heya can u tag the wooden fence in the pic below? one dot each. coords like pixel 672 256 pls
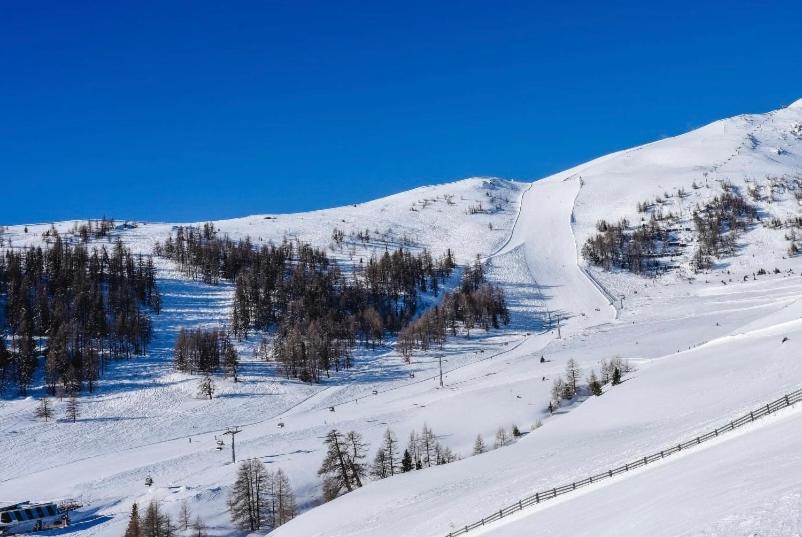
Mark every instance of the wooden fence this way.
pixel 544 495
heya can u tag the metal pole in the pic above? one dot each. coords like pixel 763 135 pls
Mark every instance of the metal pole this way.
pixel 233 431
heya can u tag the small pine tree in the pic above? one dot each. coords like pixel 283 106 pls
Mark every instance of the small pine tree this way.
pixel 184 515
pixel 206 387
pixel 134 528
pixel 248 502
pixel 502 438
pixel 515 431
pixel 572 376
pixel 594 385
pixel 231 360
pixel 479 446
pixel 282 499
pixel 44 410
pixel 616 376
pixel 379 467
pixel 73 409
pixel 406 462
pixel 343 466
pixel 156 523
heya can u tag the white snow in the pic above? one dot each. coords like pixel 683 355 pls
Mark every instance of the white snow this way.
pixel 708 347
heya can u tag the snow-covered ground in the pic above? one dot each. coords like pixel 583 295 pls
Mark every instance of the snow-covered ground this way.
pixel 707 348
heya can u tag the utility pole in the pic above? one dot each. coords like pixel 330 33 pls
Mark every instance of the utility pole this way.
pixel 440 358
pixel 233 431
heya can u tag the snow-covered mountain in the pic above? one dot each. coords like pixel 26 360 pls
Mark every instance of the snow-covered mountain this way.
pixel 708 345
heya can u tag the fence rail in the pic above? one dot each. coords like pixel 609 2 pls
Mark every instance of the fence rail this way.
pixel 545 495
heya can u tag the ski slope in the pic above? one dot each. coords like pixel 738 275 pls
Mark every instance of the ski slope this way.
pixel 545 233
pixel 707 348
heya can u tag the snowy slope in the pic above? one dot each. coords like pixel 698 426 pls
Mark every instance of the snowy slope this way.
pixel 707 347
pixel 666 316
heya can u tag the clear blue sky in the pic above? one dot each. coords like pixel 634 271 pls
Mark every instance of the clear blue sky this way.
pixel 208 109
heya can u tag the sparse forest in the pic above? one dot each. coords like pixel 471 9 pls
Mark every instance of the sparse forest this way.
pixel 475 303
pixel 318 311
pixel 644 249
pixel 345 466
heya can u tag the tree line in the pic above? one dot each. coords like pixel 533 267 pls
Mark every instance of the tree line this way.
pixel 319 312
pixel 86 306
pixel 570 385
pixel 345 466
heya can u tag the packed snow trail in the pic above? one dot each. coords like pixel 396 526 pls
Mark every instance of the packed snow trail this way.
pixel 544 231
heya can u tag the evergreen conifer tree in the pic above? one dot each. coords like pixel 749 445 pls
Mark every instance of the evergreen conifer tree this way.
pixel 134 528
pixel 479 446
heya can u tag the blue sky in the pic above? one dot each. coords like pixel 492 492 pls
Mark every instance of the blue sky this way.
pixel 205 109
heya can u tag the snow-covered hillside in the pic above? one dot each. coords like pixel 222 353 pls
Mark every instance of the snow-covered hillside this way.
pixel 707 347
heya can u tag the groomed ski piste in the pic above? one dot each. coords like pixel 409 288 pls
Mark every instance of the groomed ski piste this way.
pixel 707 347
